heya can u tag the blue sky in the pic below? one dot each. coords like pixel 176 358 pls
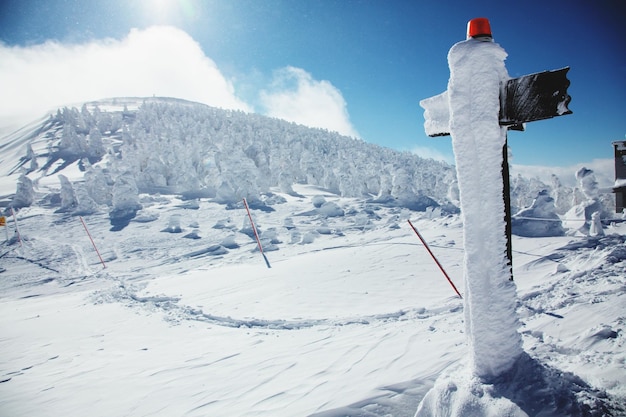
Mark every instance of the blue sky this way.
pixel 364 65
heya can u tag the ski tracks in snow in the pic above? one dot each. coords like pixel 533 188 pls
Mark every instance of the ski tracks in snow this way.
pixel 175 312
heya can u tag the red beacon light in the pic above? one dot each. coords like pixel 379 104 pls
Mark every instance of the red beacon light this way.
pixel 479 28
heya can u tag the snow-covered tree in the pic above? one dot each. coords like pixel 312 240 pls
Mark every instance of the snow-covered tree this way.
pixel 30 156
pixel 580 216
pixel 95 145
pixel 538 220
pixel 562 196
pixel 98 185
pixel 86 205
pixel 182 147
pixel 68 198
pixel 24 194
pixel 125 193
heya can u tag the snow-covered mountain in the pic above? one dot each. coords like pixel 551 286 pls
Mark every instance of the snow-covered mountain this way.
pixel 124 146
pixel 173 146
pixel 132 284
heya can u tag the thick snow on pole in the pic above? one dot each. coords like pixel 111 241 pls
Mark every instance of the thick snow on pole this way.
pixel 476 73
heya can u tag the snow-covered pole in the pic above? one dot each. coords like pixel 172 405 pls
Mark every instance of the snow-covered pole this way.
pixel 476 73
pixel 256 235
pixel 470 111
pixel 92 241
pixel 531 97
pixel 479 106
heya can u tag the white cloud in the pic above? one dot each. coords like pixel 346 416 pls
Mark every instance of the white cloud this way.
pixel 161 61
pixel 158 61
pixel 295 96
pixel 604 170
pixel 431 153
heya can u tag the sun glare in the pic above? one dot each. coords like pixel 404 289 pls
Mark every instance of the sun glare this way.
pixel 160 10
pixel 169 11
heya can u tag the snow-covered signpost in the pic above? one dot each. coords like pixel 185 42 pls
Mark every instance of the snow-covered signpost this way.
pixel 521 100
pixel 479 106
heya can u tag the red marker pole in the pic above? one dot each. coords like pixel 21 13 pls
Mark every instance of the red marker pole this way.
pixel 256 235
pixel 434 258
pixel 17 229
pixel 92 242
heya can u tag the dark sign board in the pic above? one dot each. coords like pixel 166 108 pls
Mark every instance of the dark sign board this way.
pixel 535 97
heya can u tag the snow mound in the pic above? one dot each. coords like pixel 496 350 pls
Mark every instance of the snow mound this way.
pixel 529 389
pixel 585 217
pixel 538 220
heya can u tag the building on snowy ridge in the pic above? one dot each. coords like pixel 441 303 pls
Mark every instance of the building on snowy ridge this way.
pixel 620 175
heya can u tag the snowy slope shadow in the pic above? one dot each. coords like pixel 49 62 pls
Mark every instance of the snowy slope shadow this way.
pixel 396 400
pixel 120 218
pixel 612 246
pixel 540 390
pixel 529 389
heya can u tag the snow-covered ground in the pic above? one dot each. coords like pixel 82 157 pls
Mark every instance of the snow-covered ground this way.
pixel 352 319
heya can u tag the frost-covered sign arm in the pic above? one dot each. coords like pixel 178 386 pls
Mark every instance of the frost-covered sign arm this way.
pixel 436 115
